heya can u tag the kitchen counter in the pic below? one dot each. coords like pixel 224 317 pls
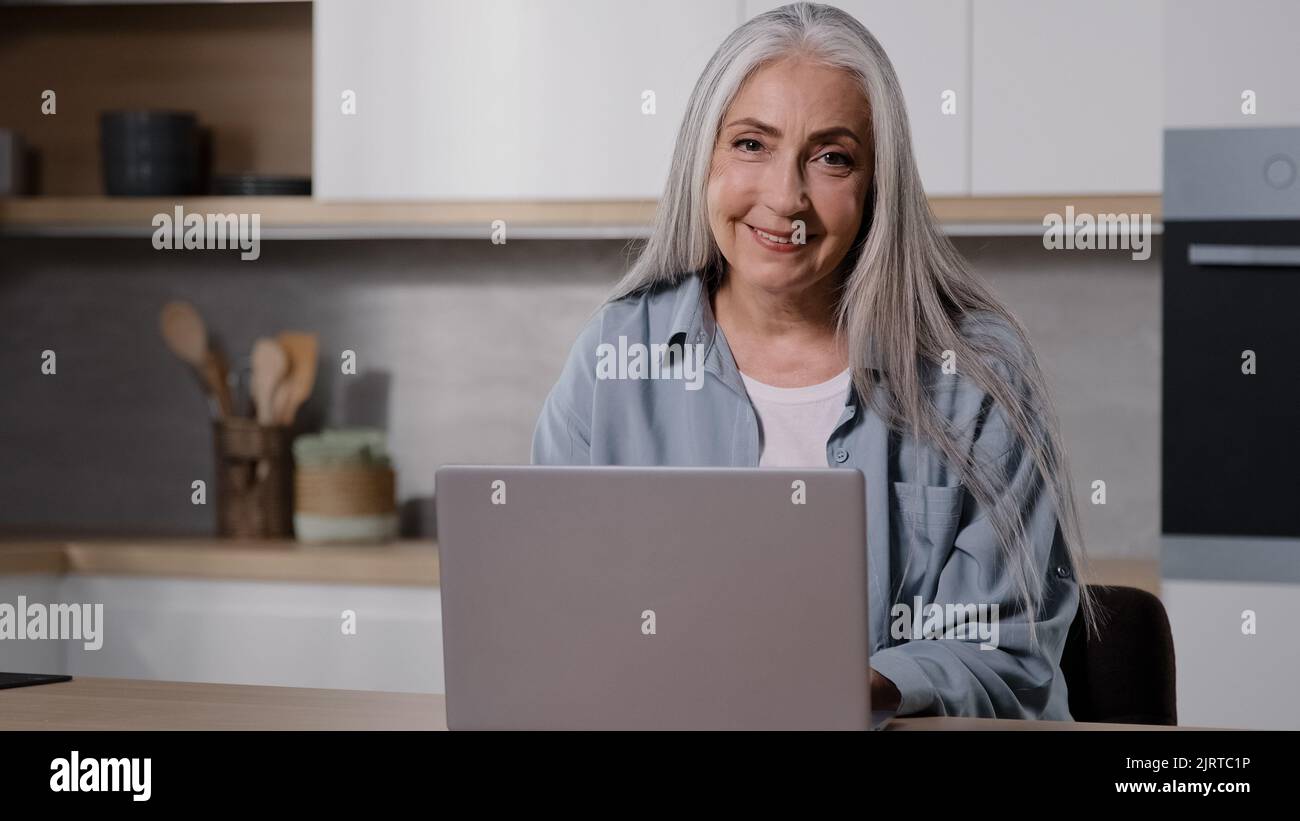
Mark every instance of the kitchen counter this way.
pixel 405 562
pixel 412 562
pixel 125 704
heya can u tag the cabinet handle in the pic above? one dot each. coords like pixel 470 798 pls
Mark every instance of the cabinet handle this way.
pixel 1248 256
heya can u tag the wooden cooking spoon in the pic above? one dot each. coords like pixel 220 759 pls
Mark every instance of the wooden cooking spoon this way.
pixel 187 337
pixel 270 364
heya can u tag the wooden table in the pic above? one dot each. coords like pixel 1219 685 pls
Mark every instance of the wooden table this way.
pixel 126 704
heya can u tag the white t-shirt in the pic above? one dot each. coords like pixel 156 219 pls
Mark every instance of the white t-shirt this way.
pixel 796 422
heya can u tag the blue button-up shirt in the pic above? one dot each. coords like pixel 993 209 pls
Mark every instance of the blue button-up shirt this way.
pixel 928 540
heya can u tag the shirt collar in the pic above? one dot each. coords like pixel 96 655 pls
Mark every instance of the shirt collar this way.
pixel 693 323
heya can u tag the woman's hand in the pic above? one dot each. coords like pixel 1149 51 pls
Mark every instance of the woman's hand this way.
pixel 884 695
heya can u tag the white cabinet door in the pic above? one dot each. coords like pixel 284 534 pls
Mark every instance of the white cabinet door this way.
pixel 1067 97
pixel 282 634
pixel 1216 51
pixel 1228 677
pixel 505 99
pixel 929 45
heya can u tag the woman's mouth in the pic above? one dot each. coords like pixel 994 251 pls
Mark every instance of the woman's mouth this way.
pixel 781 243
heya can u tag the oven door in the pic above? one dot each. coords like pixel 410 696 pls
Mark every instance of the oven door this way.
pixel 1231 441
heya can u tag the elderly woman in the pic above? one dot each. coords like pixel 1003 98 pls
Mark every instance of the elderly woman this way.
pixel 839 327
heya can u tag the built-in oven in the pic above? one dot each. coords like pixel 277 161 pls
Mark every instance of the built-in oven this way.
pixel 1231 343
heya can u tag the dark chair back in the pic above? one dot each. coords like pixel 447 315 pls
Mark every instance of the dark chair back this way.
pixel 1125 675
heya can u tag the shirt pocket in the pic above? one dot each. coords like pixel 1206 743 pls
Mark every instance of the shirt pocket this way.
pixel 928 515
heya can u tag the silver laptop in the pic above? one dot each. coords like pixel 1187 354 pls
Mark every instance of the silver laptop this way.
pixel 615 598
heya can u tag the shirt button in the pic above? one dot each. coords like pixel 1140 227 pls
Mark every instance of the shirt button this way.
pixel 841 455
pixel 1062 571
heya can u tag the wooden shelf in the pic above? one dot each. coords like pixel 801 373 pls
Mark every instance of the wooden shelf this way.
pixel 965 210
pixel 404 562
pixel 307 218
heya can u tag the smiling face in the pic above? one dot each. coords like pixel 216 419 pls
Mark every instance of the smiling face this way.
pixel 794 145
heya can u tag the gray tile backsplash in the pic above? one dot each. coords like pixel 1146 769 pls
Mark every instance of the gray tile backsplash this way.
pixel 457 344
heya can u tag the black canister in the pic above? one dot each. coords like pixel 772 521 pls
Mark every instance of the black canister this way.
pixel 150 153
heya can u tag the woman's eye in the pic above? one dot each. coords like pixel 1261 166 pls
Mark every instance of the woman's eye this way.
pixel 845 160
pixel 748 141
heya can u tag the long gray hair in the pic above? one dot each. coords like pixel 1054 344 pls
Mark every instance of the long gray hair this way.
pixel 905 288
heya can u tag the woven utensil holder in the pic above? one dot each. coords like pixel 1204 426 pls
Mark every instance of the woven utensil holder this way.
pixel 254 479
pixel 345 490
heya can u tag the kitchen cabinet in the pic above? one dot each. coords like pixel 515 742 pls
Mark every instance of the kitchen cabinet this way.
pixel 1216 51
pixel 510 100
pixel 929 45
pixel 239 632
pixel 1228 677
pixel 244 68
pixel 1067 96
pixel 266 612
pixel 504 99
pixel 270 633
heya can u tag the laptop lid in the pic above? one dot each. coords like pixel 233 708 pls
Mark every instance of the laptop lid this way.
pixel 653 598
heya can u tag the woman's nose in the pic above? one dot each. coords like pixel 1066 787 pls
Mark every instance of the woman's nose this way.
pixel 785 190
